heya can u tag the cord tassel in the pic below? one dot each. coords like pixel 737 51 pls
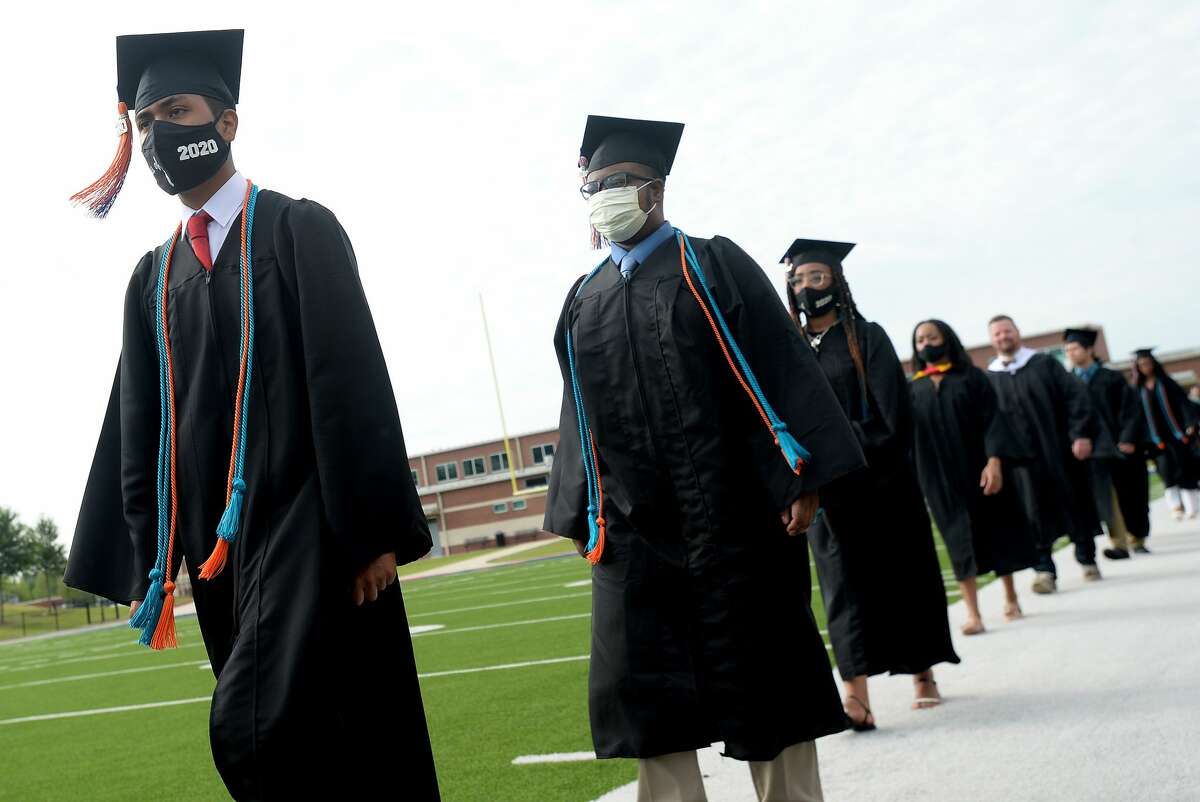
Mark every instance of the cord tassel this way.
pixel 797 456
pixel 145 618
pixel 164 633
pixel 99 196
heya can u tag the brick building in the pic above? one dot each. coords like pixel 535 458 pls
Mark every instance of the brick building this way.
pixel 467 492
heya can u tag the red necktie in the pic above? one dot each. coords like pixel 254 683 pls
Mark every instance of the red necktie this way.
pixel 197 231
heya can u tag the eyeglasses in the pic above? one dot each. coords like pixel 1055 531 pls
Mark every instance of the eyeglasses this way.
pixel 817 279
pixel 614 181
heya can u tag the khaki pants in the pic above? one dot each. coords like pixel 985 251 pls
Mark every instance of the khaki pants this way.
pixel 793 776
pixel 1118 535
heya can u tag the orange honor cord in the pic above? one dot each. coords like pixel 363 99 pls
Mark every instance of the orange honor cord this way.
pixel 597 551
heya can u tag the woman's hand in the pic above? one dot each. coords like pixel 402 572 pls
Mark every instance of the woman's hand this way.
pixel 992 478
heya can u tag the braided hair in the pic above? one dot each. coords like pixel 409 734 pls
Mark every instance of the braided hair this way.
pixel 850 316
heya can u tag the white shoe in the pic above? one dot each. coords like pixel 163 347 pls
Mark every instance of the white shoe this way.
pixel 1044 583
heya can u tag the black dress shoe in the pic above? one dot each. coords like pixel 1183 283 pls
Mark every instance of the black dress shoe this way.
pixel 1117 554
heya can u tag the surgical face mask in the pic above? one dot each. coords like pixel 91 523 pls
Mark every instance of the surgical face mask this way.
pixel 815 303
pixel 617 214
pixel 932 354
pixel 183 157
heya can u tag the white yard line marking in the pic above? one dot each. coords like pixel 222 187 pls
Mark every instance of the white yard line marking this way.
pixel 491 585
pixel 501 626
pixel 98 675
pixel 102 710
pixel 582 583
pixel 556 757
pixel 422 629
pixel 100 657
pixel 500 604
pixel 505 666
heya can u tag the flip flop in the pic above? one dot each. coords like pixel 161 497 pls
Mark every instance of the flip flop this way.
pixel 926 702
pixel 868 722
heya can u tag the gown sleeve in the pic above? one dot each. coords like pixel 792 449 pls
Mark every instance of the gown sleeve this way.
pixel 369 499
pixel 886 427
pixel 789 375
pixel 998 437
pixel 1080 422
pixel 566 500
pixel 1130 419
pixel 113 548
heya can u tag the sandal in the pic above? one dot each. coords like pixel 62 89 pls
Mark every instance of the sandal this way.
pixel 868 722
pixel 926 702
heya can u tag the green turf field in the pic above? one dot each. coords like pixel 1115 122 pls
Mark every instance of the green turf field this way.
pixel 533 614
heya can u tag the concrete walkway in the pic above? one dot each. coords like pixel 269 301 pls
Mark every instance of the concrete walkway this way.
pixel 488 558
pixel 1095 695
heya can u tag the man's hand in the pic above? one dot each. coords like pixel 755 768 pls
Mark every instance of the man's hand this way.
pixel 992 479
pixel 798 517
pixel 581 547
pixel 1127 448
pixel 1082 448
pixel 374 578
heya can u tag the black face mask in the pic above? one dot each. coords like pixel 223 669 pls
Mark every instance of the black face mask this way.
pixel 932 354
pixel 183 157
pixel 814 303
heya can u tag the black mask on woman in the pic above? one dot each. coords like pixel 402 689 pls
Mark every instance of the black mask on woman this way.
pixel 183 157
pixel 932 354
pixel 815 303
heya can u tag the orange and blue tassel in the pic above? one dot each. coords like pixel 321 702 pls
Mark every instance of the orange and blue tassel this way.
pixel 99 196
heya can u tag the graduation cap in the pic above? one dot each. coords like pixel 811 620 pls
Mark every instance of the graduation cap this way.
pixel 157 65
pixel 1085 337
pixel 1147 352
pixel 825 252
pixel 612 140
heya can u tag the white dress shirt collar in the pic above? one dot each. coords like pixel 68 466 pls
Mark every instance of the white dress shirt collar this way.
pixel 223 207
pixel 1019 360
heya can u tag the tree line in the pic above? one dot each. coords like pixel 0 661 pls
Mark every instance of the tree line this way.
pixel 28 553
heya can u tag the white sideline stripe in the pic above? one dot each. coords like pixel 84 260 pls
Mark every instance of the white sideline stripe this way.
pixel 441 631
pixel 500 604
pixel 504 666
pixel 102 710
pixel 100 674
pixel 556 757
pixel 582 583
pixel 421 629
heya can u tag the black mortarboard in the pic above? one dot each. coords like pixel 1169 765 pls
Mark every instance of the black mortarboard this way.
pixel 822 251
pixel 153 66
pixel 1085 337
pixel 1144 352
pixel 612 140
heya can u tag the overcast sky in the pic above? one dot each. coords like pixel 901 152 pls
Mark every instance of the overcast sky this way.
pixel 1038 159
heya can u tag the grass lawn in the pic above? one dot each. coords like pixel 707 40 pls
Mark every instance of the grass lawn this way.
pixel 513 613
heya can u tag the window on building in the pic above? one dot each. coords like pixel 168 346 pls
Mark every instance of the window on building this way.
pixel 542 453
pixel 500 508
pixel 416 479
pixel 447 471
pixel 536 481
pixel 473 467
pixel 499 462
pixel 519 504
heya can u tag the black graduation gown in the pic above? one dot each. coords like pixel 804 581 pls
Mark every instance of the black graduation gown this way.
pixel 1115 405
pixel 958 427
pixel 1048 409
pixel 702 626
pixel 329 490
pixel 873 545
pixel 1175 461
